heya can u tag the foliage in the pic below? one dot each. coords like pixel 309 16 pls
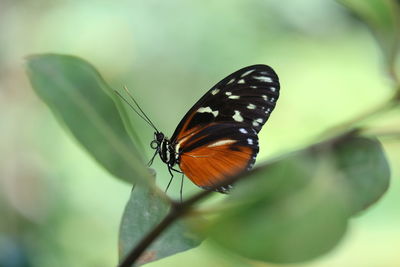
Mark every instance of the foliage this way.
pixel 383 19
pixel 290 209
pixel 145 209
pixel 298 207
pixel 83 103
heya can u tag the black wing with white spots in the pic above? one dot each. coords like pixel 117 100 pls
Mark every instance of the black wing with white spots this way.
pixel 247 96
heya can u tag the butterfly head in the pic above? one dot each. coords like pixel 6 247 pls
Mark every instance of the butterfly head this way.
pixel 158 139
pixel 162 145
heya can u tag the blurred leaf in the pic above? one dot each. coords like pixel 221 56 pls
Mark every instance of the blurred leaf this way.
pixel 366 170
pixel 142 213
pixel 297 208
pixel 13 253
pixel 383 18
pixel 80 100
pixel 291 214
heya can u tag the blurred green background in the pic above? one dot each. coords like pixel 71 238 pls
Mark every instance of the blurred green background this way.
pixel 59 208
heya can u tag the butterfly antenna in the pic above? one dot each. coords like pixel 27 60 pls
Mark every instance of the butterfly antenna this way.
pixel 137 105
pixel 133 108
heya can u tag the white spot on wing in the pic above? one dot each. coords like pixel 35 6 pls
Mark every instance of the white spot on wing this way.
pixel 228 93
pixel 255 123
pixel 260 120
pixel 208 110
pixel 231 81
pixel 263 79
pixel 215 91
pixel 234 97
pixel 273 89
pixel 265 97
pixel 241 81
pixel 204 109
pixel 251 106
pixel 250 141
pixel 246 73
pixel 222 142
pixel 243 130
pixel 237 116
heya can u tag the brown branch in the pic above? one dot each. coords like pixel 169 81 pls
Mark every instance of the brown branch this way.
pixel 178 210
pixel 383 107
pixel 134 255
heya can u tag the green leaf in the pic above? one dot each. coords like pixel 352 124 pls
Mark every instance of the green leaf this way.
pixel 83 103
pixel 383 18
pixel 297 208
pixel 143 212
pixel 289 214
pixel 366 170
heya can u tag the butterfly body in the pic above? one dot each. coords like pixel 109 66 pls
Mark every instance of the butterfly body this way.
pixel 218 136
pixel 165 149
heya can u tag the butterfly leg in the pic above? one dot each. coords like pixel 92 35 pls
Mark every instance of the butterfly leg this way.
pixel 176 170
pixel 170 180
pixel 181 186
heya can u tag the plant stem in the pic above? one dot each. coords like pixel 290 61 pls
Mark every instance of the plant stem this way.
pixel 178 210
pixel 134 255
pixel 380 108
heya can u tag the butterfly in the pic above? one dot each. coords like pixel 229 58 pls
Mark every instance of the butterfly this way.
pixel 218 136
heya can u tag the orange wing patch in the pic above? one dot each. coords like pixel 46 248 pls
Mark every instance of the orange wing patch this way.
pixel 208 165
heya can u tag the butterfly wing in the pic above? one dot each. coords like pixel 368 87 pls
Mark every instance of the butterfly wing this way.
pixel 212 140
pixel 218 151
pixel 248 94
